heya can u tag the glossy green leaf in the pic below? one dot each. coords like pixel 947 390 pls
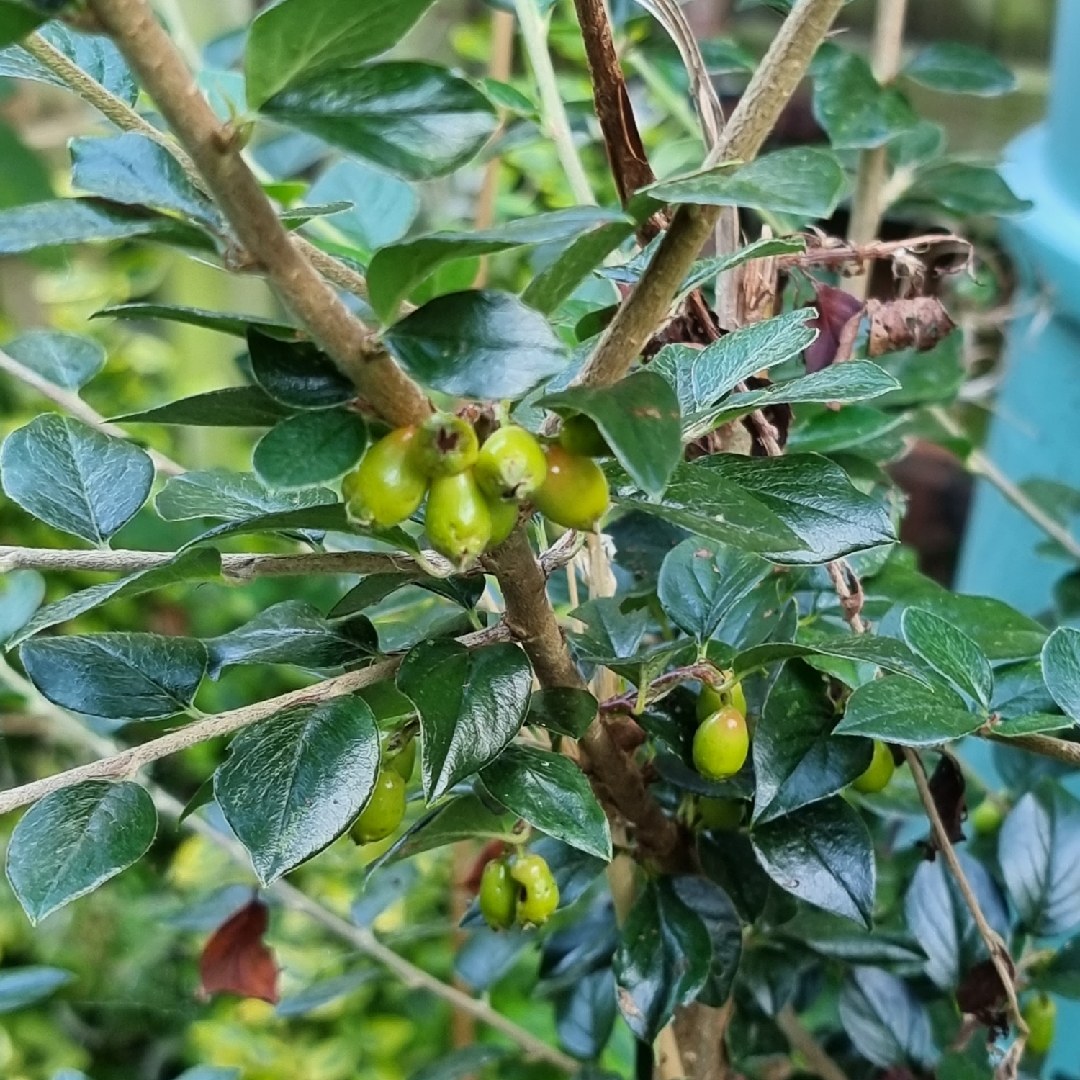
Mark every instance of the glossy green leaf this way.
pixel 310 448
pixel 297 373
pixel 459 343
pixel 464 818
pixel 73 477
pixel 135 170
pixel 119 676
pixel 397 269
pixel 66 360
pixel 855 110
pixel 74 840
pixel 888 1025
pixel 822 854
pixel 964 190
pixel 886 653
pixel 195 564
pixel 1031 724
pixel 728 859
pixel 552 794
pixel 225 322
pixel 21 593
pixel 1039 856
pixel 315 518
pixel 900 710
pixel 415 119
pixel 218 493
pixel 859 428
pixel 565 710
pixel 714 908
pixel 293 783
pixel 956 68
pixel 797 758
pixel 294 40
pixel 585 1014
pixel 803 181
pixel 22 986
pixel 700 581
pixel 1061 669
pixel 370 590
pixel 639 419
pixel 292 632
pixel 662 961
pixel 610 634
pixel 472 702
pixel 234 406
pixel 949 652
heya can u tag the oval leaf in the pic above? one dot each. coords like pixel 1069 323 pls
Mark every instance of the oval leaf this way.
pixel 297 373
pixel 236 497
pixel 23 986
pixel 900 710
pixel 1061 669
pixel 950 652
pixel 955 68
pixel 66 360
pixel 887 1023
pixel 310 448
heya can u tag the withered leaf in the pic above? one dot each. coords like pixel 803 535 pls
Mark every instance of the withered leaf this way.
pixel 236 961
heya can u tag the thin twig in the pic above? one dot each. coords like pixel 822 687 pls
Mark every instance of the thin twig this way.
pixel 803 1043
pixel 831 256
pixel 74 405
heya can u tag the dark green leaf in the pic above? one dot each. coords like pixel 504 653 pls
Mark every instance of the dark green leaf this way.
pixel 293 783
pixel 397 269
pixel 552 794
pixel 195 564
pixel 639 419
pixel 1061 974
pixel 135 170
pixel 310 448
pixel 291 41
pixel 700 581
pixel 321 993
pixel 319 518
pixel 886 1022
pixel 610 634
pixel 564 710
pixel 464 591
pixel 463 818
pixel 886 653
pixel 803 181
pixel 704 269
pixel 955 68
pixel 854 109
pixel 964 190
pixel 822 854
pixel 676 772
pixel 226 323
pixel 17 20
pixel 292 632
pixel 662 960
pixel 472 702
pixel 900 710
pixel 235 406
pixel 714 908
pixel 1039 855
pixel 21 593
pixel 462 1063
pixel 797 758
pixel 218 493
pixel 1031 724
pixel 118 676
pixel 297 373
pixel 73 477
pixel 1061 669
pixel 414 119
pixel 585 1014
pixel 74 840
pixel 729 860
pixel 22 986
pixel 65 360
pixel 459 344
pixel 949 652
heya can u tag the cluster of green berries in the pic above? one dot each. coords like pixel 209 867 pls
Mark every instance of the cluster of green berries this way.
pixel 385 810
pixel 517 888
pixel 473 492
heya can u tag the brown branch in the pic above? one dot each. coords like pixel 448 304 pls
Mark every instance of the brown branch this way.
pixel 803 1043
pixel 217 155
pixel 775 80
pixel 1046 745
pixel 834 255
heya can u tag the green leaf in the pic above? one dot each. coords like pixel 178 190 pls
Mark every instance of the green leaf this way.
pixel 310 448
pixel 226 323
pixel 472 702
pixel 17 20
pixel 1061 669
pixel 822 854
pixel 74 840
pixel 94 53
pixel 1031 724
pixel 73 477
pixel 135 170
pixel 297 373
pixel 766 246
pixel 315 995
pixel 585 1014
pixel 955 68
pixel 1039 856
pixel 552 794
pixel 797 758
pixel 714 908
pixel 886 653
pixel 317 518
pixel 234 406
pixel 414 119
pixel 662 960
pixel 118 676
pixel 459 343
pixel 700 581
pixel 857 112
pixel 218 493
pixel 397 269
pixel 888 1025
pixel 564 710
pixel 803 181
pixel 902 711
pixel 65 360
pixel 858 427
pixel 639 419
pixel 728 859
pixel 85 221
pixel 949 652
pixel 459 1064
pixel 610 634
pixel 370 590
pixel 463 818
pixel 292 632
pixel 1061 974
pixel 964 190
pixel 293 783
pixel 21 593
pixel 25 178
pixel 195 564
pixel 294 40
pixel 22 986
pixel 702 376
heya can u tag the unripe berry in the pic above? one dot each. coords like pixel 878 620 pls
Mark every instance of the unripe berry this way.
pixel 384 809
pixel 539 895
pixel 445 445
pixel 575 493
pixel 878 773
pixel 386 487
pixel 1040 1015
pixel 498 895
pixel 457 520
pixel 721 744
pixel 511 464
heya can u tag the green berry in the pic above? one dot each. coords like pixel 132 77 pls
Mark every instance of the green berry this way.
pixel 1040 1015
pixel 445 445
pixel 386 487
pixel 384 809
pixel 878 773
pixel 580 435
pixel 511 464
pixel 721 744
pixel 722 814
pixel 539 895
pixel 498 895
pixel 457 520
